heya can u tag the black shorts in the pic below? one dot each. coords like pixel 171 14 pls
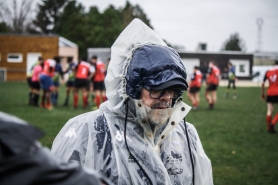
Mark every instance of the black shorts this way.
pixel 29 81
pixel 194 90
pixel 36 85
pixel 272 99
pixel 211 87
pixel 70 83
pixel 233 82
pixel 81 83
pixel 99 86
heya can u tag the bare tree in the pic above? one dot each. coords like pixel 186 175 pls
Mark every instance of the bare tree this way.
pixel 16 14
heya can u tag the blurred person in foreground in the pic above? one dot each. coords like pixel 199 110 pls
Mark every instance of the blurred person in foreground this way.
pixel 84 72
pixel 194 87
pixel 272 96
pixel 213 77
pixel 139 135
pixel 23 161
pixel 98 81
pixel 231 80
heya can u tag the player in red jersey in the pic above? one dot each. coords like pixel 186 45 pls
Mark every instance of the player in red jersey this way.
pixel 194 87
pixel 272 96
pixel 98 81
pixel 83 73
pixel 213 77
pixel 47 82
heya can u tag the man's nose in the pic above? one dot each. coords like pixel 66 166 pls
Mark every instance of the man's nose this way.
pixel 166 96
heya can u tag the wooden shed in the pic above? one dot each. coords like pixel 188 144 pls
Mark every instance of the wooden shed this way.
pixel 19 52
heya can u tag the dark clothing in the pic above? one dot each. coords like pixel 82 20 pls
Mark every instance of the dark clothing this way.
pixel 193 90
pixel 81 83
pixel 231 77
pixel 231 82
pixel 211 87
pixel 24 162
pixel 36 85
pixel 272 99
pixel 204 70
pixel 99 86
pixel 70 83
pixel 29 81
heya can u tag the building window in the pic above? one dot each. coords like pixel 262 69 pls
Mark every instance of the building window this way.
pixel 14 57
pixel 242 67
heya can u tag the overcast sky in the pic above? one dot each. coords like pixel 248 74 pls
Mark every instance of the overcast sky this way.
pixel 187 22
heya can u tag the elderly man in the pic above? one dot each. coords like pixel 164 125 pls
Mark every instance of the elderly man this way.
pixel 139 136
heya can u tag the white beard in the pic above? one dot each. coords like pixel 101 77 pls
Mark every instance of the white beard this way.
pixel 158 116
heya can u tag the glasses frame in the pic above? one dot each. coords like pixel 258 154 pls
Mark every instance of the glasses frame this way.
pixel 175 96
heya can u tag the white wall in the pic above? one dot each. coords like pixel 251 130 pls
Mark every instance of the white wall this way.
pixel 261 70
pixel 189 64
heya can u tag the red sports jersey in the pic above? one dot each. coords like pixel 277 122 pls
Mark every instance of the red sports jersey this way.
pixel 49 67
pixel 272 77
pixel 83 70
pixel 100 72
pixel 196 79
pixel 214 74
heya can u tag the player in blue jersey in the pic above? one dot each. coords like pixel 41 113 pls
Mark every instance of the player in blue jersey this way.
pixel 231 80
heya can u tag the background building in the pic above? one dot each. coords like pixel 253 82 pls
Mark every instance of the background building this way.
pixel 18 53
pixel 243 62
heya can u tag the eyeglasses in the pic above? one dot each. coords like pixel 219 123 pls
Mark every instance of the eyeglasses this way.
pixel 173 93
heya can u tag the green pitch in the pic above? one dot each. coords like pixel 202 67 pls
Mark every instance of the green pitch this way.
pixel 233 134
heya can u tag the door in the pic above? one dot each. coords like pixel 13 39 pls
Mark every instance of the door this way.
pixel 32 58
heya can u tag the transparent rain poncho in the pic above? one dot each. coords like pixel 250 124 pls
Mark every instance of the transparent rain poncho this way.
pixel 97 139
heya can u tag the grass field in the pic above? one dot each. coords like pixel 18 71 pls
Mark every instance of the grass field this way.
pixel 233 135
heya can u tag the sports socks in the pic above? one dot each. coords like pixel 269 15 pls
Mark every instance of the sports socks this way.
pixel 75 100
pixel 54 98
pixel 275 119
pixel 227 93
pixel 43 101
pixel 30 98
pixel 195 104
pixel 36 99
pixel 97 100
pixel 104 98
pixel 268 121
pixel 85 101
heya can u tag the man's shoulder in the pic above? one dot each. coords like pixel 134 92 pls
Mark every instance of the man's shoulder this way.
pixel 190 127
pixel 87 117
pixel 76 131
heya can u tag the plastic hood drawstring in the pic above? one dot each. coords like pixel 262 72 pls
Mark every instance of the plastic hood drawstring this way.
pixel 126 110
pixel 190 152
